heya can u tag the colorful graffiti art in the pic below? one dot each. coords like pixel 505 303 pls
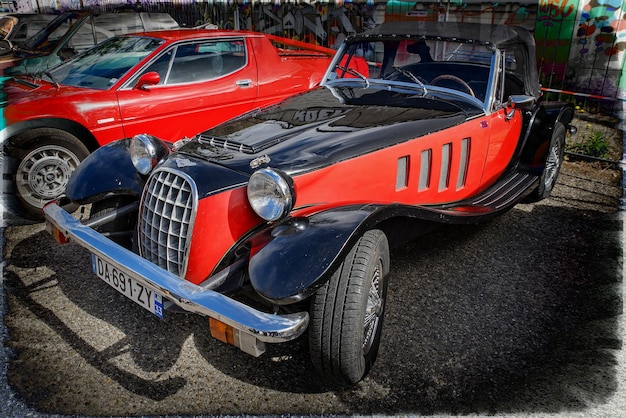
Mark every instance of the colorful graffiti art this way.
pixel 598 50
pixel 554 29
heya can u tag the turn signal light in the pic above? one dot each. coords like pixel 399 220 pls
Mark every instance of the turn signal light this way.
pixel 222 331
pixel 57 234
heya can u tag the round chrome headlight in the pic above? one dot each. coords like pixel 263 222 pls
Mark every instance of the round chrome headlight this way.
pixel 146 151
pixel 271 194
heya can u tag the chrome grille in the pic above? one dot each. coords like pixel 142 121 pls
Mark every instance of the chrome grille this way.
pixel 167 212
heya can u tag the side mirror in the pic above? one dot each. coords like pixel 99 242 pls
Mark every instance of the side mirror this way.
pixel 151 78
pixel 519 101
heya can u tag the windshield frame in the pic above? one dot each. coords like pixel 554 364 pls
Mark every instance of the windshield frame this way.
pixel 331 79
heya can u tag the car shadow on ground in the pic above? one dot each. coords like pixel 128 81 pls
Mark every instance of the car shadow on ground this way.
pixel 519 314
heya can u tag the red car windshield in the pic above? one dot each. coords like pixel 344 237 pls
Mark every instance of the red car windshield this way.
pixel 101 67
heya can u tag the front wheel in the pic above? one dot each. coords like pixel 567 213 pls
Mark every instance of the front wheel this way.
pixel 46 159
pixel 552 166
pixel 347 312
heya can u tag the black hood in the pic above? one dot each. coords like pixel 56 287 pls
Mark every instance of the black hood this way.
pixel 324 126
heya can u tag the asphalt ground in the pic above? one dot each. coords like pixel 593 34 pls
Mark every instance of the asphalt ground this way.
pixel 522 316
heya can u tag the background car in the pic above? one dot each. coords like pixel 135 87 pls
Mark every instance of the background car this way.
pixel 73 32
pixel 18 27
pixel 176 83
pixel 282 220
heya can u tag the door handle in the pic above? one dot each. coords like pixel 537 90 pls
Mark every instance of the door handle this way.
pixel 244 83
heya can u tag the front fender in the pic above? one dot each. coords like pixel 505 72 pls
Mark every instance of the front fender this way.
pixel 291 260
pixel 107 171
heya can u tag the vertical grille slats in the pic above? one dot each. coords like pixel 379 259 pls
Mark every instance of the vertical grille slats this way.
pixel 167 213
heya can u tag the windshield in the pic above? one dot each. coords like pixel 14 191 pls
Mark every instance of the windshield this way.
pixel 101 67
pixel 436 67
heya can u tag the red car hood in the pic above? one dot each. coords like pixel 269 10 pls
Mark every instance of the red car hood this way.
pixel 27 98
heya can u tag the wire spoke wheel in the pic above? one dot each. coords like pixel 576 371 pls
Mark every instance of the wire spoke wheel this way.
pixel 553 164
pixel 374 309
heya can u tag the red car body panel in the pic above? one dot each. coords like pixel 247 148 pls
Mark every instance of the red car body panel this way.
pixel 221 220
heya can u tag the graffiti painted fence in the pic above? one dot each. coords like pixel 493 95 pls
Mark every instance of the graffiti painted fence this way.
pixel 581 44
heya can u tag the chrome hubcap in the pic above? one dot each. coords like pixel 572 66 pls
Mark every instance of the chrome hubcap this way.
pixel 43 174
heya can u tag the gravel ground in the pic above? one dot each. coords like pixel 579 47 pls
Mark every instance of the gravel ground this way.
pixel 521 316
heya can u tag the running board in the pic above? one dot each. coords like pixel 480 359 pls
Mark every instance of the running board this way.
pixel 498 198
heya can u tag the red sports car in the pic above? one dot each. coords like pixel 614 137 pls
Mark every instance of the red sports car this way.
pixel 172 83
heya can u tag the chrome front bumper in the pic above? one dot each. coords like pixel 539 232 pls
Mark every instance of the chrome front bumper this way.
pixel 255 327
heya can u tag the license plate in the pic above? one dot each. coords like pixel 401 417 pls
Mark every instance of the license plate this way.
pixel 128 286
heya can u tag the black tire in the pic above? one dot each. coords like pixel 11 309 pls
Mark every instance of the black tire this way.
pixel 46 157
pixel 120 230
pixel 552 167
pixel 347 312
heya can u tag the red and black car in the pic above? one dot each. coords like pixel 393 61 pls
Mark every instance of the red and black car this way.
pixel 281 220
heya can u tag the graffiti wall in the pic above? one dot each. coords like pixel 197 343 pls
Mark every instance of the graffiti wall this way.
pixel 580 43
pixel 596 59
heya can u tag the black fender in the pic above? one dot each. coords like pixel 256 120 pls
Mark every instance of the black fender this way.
pixel 108 171
pixel 538 128
pixel 289 261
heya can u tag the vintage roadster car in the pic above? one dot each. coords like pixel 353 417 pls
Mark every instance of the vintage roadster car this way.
pixel 281 220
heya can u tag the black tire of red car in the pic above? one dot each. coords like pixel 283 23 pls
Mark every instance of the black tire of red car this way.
pixel 554 161
pixel 346 313
pixel 46 157
pixel 122 229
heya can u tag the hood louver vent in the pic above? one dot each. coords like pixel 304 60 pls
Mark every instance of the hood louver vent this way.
pixel 226 144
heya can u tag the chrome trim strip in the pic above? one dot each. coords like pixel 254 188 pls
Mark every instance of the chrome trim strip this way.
pixel 464 163
pixel 444 170
pixel 192 298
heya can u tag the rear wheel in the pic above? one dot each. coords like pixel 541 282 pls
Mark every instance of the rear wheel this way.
pixel 46 159
pixel 347 312
pixel 552 167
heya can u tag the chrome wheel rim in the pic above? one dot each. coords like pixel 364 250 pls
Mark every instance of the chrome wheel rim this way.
pixel 552 164
pixel 43 174
pixel 374 308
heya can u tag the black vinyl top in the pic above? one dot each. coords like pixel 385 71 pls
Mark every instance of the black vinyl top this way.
pixel 499 36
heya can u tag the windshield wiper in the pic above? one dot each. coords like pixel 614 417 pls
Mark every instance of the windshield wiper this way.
pixel 54 81
pixel 354 72
pixel 411 76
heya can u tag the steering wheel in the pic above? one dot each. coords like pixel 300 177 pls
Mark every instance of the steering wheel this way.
pixel 456 79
